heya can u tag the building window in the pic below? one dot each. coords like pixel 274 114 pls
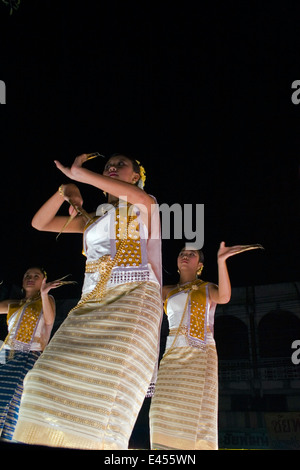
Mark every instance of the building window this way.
pixel 276 332
pixel 231 336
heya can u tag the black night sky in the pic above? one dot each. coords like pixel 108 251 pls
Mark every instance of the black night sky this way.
pixel 201 95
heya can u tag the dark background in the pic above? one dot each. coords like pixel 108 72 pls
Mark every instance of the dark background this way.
pixel 201 95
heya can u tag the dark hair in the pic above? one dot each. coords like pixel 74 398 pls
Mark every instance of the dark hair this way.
pixel 201 256
pixel 43 271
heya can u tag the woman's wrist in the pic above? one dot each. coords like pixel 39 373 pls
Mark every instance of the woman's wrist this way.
pixel 61 190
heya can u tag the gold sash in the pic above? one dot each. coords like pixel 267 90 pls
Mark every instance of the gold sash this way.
pixel 196 308
pixel 128 252
pixel 24 324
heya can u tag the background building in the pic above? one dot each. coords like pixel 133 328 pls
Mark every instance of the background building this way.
pixel 259 398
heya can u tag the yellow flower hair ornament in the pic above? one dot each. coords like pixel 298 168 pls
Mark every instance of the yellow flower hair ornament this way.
pixel 142 179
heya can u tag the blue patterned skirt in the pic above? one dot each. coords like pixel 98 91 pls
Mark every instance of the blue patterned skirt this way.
pixel 12 373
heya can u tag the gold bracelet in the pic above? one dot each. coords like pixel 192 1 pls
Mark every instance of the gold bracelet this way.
pixel 61 191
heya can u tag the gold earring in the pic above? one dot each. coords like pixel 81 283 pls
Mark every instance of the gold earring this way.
pixel 200 271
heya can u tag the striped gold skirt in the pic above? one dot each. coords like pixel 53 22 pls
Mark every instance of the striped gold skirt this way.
pixel 184 409
pixel 87 388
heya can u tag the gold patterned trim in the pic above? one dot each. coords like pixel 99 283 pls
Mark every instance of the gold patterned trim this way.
pixel 183 330
pixel 100 265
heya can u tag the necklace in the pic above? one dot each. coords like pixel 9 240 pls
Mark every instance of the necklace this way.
pixel 193 284
pixel 107 206
pixel 30 299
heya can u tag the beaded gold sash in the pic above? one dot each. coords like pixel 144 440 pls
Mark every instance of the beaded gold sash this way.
pixel 128 253
pixel 128 240
pixel 197 318
pixel 196 308
pixel 24 325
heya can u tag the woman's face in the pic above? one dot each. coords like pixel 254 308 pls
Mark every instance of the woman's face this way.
pixel 32 279
pixel 120 167
pixel 188 260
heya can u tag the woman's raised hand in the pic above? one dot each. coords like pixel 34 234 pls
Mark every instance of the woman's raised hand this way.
pixel 227 251
pixel 71 172
pixel 47 286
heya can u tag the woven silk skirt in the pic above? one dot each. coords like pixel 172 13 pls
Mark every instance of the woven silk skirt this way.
pixel 87 388
pixel 184 409
pixel 12 372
